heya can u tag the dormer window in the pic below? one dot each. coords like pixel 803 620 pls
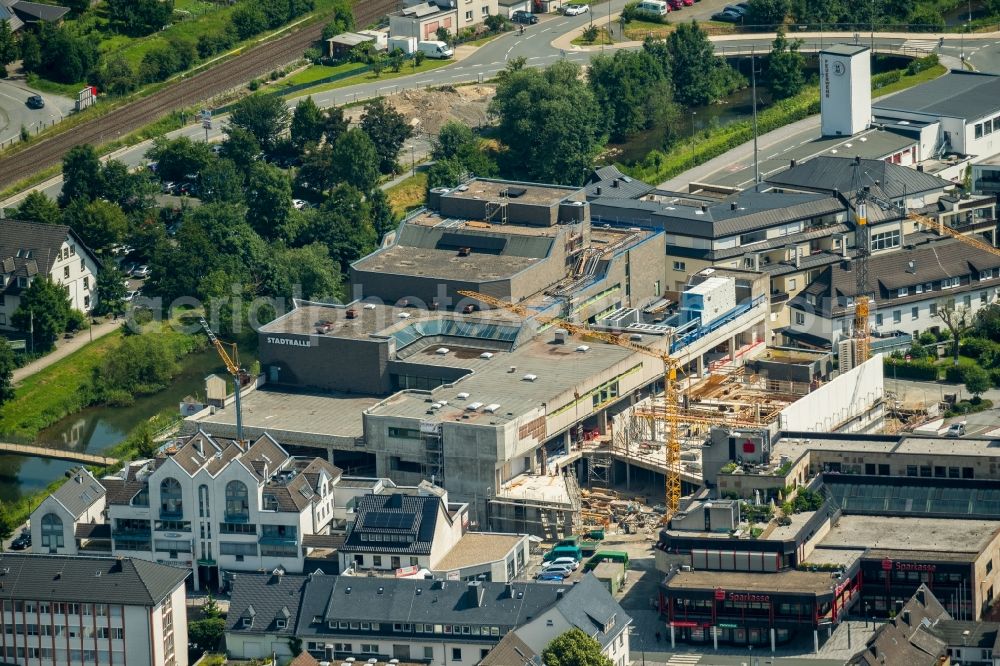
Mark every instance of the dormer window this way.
pixel 247 622
pixel 902 291
pixel 280 624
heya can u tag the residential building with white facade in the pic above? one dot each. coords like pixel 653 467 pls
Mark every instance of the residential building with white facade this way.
pixel 406 533
pixel 211 504
pixel 29 250
pixel 78 502
pixel 439 622
pixel 58 610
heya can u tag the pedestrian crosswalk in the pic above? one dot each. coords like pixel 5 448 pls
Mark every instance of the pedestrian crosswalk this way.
pixel 923 45
pixel 683 659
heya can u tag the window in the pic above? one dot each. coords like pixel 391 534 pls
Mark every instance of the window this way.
pixel 237 504
pixel 983 298
pixel 468 15
pixel 234 548
pixel 878 318
pixel 919 289
pixel 404 433
pixel 52 531
pixel 414 561
pixel 456 654
pixel 171 502
pixel 376 560
pixel 914 313
pixel 680 266
pixel 86 282
pixel 800 319
pixel 979 130
pixel 897 316
pixel 967 300
pixel 885 240
pixel 902 291
pixel 429 652
pixel 932 309
pixel 985 275
pixel 911 470
pixel 790 284
pixel 204 510
pixel 117 633
pixel 65 271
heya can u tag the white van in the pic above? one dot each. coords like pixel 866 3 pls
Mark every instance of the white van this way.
pixel 654 7
pixel 435 49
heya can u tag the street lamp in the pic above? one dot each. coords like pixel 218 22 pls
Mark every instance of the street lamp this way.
pixel 693 114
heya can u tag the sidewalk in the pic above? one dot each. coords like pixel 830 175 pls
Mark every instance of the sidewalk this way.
pixel 66 347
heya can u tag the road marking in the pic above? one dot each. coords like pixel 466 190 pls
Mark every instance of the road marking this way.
pixel 497 62
pixel 559 25
pixel 529 36
pixel 683 659
pixel 424 81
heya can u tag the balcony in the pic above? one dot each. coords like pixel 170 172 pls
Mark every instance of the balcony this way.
pixel 171 513
pixel 237 518
pixel 778 297
pixel 987 186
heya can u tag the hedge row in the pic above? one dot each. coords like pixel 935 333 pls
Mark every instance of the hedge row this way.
pixel 658 166
pixel 923 369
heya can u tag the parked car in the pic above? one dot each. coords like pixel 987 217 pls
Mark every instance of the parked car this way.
pixel 141 272
pixel 299 204
pixel 22 542
pixel 188 189
pixel 169 187
pixel 575 10
pixel 726 16
pixel 956 429
pixel 35 102
pixel 132 295
pixel 736 9
pixel 521 16
pixel 675 5
pixel 549 578
pixel 564 561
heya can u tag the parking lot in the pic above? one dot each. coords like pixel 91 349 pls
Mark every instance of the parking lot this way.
pixel 14 111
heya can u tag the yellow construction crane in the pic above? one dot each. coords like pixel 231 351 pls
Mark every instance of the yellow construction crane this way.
pixel 670 393
pixel 945 230
pixel 232 361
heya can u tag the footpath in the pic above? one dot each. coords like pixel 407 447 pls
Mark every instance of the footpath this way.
pixel 66 347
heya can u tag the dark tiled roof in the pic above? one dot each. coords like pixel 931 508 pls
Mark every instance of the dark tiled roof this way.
pixel 36 11
pixel 86 579
pixel 331 541
pixel 92 531
pixel 589 607
pixel 121 491
pixel 353 598
pixel 265 453
pixel 909 637
pixel 410 519
pixel 614 184
pixel 968 95
pixel 829 174
pixel 79 493
pixel 7 15
pixel 747 211
pixel 968 633
pixel 267 598
pixel 38 245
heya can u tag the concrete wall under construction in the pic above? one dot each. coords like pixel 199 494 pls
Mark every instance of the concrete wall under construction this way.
pixel 853 402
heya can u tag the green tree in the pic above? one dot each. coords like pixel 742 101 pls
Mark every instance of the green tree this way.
pixel 334 124
pixel 452 137
pixel 77 7
pixel 31 51
pixel 388 130
pixel 207 634
pixel 268 198
pixel 44 309
pixel 785 67
pixel 264 116
pixel 446 172
pixel 140 17
pixel 81 175
pixel 698 75
pixel 318 171
pixel 8 47
pixel 7 365
pixel 115 76
pixel 384 219
pixel 633 91
pixel 99 223
pixel 308 124
pixel 986 323
pixel 308 270
pixel 247 20
pixel 957 319
pixel 344 225
pixel 221 182
pixel 355 160
pixel 138 364
pixel 179 158
pixel 110 290
pixel 132 191
pixel 766 12
pixel 574 648
pixel 7 525
pixel 38 207
pixel 977 380
pixel 240 146
pixel 549 123
pixel 341 19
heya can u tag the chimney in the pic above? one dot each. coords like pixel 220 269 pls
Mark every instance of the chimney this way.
pixel 792 164
pixel 920 168
pixel 475 593
pixel 733 206
pixel 843 245
pixel 906 616
pixel 921 597
pixel 560 593
pixel 614 183
pixel 704 208
pixel 597 190
pixel 510 590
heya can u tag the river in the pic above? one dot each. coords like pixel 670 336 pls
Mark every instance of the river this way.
pixel 96 429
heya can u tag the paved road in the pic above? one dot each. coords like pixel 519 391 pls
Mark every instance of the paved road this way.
pixel 14 113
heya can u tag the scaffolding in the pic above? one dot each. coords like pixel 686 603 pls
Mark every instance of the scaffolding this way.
pixel 430 435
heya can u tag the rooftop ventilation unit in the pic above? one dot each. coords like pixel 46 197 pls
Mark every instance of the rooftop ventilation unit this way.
pixel 462 396
pixel 583 348
pixel 529 377
pixel 441 351
pixel 492 408
pixel 369 306
pixel 435 405
pixel 486 355
pixel 473 406
pixel 404 315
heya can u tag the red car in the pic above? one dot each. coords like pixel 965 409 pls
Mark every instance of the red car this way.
pixel 688 3
pixel 674 4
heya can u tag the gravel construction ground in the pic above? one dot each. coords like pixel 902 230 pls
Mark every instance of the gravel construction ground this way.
pixel 427 111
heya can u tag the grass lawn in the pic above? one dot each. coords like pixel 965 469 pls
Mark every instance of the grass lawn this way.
pixel 369 77
pixel 602 39
pixel 909 81
pixel 409 194
pixel 642 29
pixel 58 390
pixel 317 72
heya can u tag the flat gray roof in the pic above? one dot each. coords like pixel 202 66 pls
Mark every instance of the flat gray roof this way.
pixel 804 582
pixel 412 261
pixel 529 193
pixel 795 447
pixel 966 95
pixel 890 533
pixel 845 49
pixel 301 413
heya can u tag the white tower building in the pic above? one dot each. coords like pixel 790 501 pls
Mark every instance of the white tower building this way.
pixel 845 91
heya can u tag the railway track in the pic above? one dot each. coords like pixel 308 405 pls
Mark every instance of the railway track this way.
pixel 198 87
